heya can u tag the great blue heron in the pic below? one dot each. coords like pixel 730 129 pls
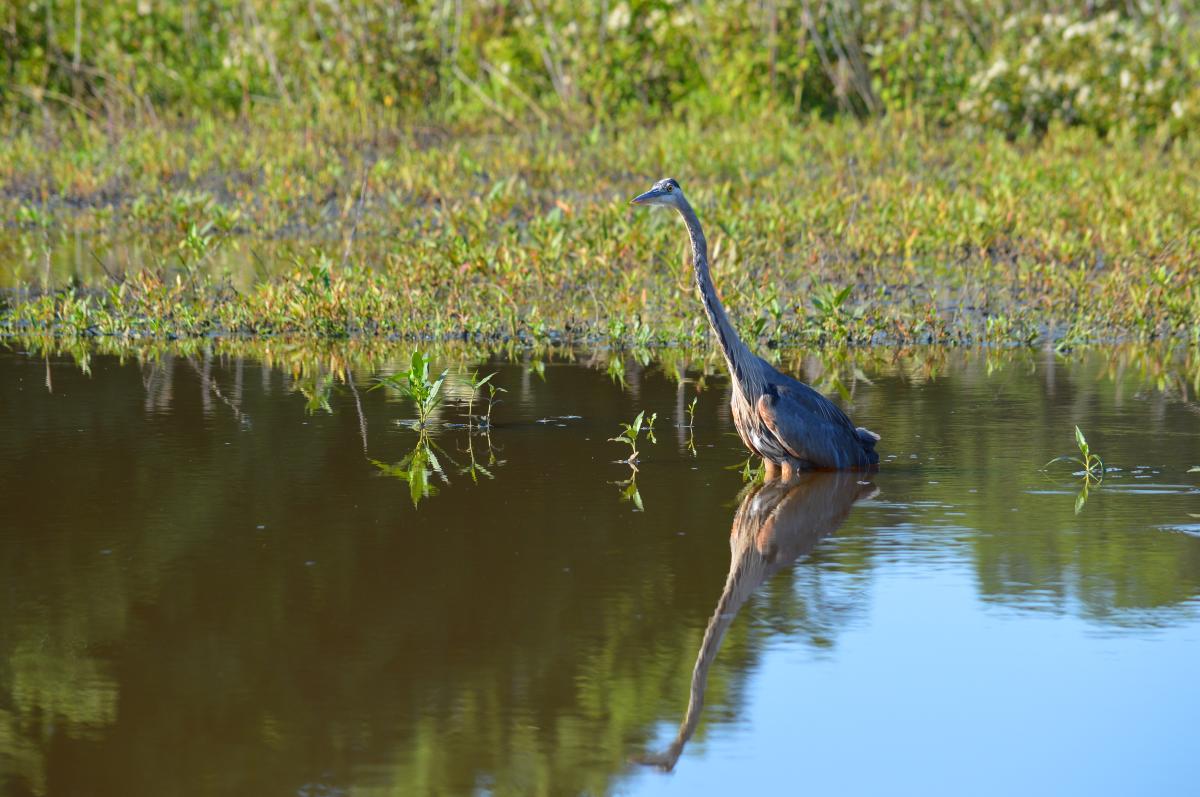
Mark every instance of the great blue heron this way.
pixel 775 524
pixel 784 421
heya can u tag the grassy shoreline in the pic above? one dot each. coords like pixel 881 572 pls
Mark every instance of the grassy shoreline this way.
pixel 824 234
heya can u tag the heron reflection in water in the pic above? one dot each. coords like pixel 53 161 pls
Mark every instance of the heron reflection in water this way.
pixel 776 523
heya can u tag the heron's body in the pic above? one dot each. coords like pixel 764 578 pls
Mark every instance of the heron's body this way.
pixel 784 421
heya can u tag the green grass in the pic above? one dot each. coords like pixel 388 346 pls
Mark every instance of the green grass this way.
pixel 822 234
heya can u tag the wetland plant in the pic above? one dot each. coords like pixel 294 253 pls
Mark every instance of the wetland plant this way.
pixel 751 473
pixel 415 384
pixel 492 401
pixel 691 427
pixel 691 413
pixel 477 383
pixel 1093 466
pixel 630 432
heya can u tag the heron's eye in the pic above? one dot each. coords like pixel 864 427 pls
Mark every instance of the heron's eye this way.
pixel 669 188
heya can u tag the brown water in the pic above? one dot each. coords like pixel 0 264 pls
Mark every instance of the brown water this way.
pixel 225 578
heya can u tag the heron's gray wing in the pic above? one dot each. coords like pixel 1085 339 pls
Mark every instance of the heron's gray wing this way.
pixel 810 427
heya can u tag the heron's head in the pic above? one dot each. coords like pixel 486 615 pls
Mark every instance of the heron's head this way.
pixel 665 192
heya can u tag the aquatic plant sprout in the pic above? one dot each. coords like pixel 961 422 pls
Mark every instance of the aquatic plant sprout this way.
pixel 477 383
pixel 1093 466
pixel 415 384
pixel 630 432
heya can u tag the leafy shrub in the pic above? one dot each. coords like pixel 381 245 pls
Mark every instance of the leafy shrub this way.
pixel 1107 72
pixel 997 63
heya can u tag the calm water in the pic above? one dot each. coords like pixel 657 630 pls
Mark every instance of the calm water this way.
pixel 226 578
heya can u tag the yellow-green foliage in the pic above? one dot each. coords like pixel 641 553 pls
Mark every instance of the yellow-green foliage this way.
pixel 823 233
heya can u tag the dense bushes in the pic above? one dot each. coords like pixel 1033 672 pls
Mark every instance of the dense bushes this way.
pixel 1104 72
pixel 1126 65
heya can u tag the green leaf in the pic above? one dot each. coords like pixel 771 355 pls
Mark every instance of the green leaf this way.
pixel 1065 458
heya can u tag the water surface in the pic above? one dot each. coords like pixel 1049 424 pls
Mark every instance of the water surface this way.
pixel 228 577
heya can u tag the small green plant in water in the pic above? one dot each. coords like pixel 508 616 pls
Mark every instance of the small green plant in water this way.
pixel 632 431
pixel 492 401
pixel 691 427
pixel 477 384
pixel 751 473
pixel 1093 466
pixel 415 383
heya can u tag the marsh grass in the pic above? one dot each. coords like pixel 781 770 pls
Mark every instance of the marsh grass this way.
pixel 824 235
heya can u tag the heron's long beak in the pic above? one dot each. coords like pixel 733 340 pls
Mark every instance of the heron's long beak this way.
pixel 642 199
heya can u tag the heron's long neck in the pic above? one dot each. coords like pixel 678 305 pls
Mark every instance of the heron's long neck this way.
pixel 737 355
pixel 747 570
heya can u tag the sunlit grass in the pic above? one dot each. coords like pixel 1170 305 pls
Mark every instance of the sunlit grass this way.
pixel 824 235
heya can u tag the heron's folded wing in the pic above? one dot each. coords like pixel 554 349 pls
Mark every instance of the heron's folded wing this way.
pixel 809 426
